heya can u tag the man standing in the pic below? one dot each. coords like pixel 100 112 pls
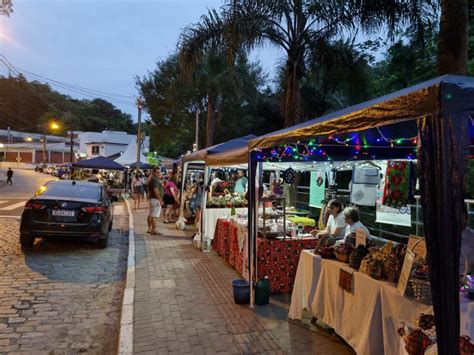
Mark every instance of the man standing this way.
pixel 9 176
pixel 155 195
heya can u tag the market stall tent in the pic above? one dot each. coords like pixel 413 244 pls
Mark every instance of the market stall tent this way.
pixel 443 110
pixel 99 163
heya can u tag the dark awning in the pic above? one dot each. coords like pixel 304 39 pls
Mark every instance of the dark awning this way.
pixel 99 163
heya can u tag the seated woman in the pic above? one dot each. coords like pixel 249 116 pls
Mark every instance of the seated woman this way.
pixel 352 219
pixel 335 227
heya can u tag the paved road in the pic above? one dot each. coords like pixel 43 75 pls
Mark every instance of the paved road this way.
pixel 60 298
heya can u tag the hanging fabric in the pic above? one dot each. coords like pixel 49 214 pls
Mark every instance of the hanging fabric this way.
pixel 399 184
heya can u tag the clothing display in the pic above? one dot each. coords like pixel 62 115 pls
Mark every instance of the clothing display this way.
pixel 365 180
pixel 399 184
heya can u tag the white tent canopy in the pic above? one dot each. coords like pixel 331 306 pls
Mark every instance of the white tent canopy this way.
pixel 130 156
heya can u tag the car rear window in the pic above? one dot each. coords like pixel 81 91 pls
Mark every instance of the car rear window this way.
pixel 70 191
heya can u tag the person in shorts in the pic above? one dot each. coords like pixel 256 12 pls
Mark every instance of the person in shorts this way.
pixel 155 196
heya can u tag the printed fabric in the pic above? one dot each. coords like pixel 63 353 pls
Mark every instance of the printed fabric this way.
pixel 399 184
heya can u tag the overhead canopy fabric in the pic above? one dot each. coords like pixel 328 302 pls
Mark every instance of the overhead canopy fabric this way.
pixel 98 163
pixel 231 152
pixel 449 93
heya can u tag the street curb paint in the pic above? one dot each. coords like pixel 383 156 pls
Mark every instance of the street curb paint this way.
pixel 126 318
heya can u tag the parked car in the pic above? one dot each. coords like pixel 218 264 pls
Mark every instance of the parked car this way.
pixel 65 208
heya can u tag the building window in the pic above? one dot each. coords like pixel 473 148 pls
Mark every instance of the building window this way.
pixel 95 150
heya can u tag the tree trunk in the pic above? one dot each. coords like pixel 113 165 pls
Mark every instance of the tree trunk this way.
pixel 292 100
pixel 453 37
pixel 211 118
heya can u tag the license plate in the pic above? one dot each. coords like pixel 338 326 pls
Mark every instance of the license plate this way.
pixel 63 213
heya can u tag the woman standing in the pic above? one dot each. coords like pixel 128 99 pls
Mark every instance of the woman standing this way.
pixel 137 184
pixel 170 198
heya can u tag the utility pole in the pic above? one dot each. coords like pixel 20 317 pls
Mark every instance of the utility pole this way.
pixel 196 140
pixel 71 152
pixel 139 133
pixel 44 147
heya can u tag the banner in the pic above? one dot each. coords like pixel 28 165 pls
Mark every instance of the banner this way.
pixel 389 215
pixel 317 188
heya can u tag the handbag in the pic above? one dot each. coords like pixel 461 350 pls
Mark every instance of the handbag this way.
pixel 357 256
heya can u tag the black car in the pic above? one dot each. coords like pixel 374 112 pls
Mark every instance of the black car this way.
pixel 67 208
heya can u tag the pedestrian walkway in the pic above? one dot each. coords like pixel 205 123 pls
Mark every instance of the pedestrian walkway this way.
pixel 184 304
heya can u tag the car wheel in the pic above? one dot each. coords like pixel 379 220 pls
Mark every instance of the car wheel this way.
pixel 102 242
pixel 26 242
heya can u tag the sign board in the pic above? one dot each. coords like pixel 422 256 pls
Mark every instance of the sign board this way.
pixel 406 271
pixel 417 245
pixel 346 280
pixel 317 187
pixel 361 237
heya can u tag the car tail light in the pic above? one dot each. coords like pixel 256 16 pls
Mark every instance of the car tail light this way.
pixel 95 209
pixel 34 205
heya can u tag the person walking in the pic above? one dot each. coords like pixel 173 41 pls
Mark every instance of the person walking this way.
pixel 170 198
pixel 155 196
pixel 9 176
pixel 137 190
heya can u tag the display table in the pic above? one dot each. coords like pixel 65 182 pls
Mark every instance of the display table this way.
pixel 306 280
pixel 367 318
pixel 278 259
pixel 210 217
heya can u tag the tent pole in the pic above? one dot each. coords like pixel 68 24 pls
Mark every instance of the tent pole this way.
pixel 252 220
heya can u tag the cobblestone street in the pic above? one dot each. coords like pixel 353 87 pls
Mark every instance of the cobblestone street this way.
pixel 61 298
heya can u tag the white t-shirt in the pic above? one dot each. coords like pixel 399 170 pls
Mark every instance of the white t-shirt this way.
pixel 467 246
pixel 334 223
pixel 354 228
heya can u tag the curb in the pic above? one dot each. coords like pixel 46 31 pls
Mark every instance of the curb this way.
pixel 126 319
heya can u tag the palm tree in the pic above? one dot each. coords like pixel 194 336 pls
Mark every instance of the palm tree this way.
pixel 289 24
pixel 453 37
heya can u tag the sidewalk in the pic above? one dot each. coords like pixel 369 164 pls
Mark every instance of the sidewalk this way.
pixel 184 304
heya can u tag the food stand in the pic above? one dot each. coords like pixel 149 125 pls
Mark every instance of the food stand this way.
pixel 441 110
pixel 115 185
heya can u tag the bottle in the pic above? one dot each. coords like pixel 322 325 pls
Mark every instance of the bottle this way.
pixel 262 292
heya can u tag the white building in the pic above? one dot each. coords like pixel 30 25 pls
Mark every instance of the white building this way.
pixel 111 144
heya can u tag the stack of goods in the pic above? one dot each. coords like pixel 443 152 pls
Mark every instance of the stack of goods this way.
pixel 422 335
pixel 305 221
pixel 357 256
pixel 419 287
pixel 325 252
pixel 343 252
pixel 384 264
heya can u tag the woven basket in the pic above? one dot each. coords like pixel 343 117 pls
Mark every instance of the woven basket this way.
pixel 342 257
pixel 420 290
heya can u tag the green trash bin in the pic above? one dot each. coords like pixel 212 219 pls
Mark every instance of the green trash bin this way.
pixel 262 291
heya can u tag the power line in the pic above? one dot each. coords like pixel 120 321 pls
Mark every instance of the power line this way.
pixel 73 88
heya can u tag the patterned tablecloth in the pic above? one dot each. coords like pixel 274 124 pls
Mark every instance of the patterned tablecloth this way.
pixel 277 259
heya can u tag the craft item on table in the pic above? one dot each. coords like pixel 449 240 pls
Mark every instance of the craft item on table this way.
pixel 305 221
pixel 372 264
pixel 343 252
pixel 357 256
pixel 394 262
pixel 416 342
pixel 399 184
pixel 345 280
pixel 325 252
pixel 289 176
pixel 465 345
pixel 419 286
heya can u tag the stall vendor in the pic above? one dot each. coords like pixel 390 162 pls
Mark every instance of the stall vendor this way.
pixel 336 225
pixel 467 246
pixel 352 219
pixel 241 183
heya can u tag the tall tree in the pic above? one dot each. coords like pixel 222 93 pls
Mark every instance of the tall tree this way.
pixel 453 37
pixel 289 24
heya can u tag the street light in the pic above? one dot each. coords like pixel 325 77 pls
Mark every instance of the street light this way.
pixel 52 126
